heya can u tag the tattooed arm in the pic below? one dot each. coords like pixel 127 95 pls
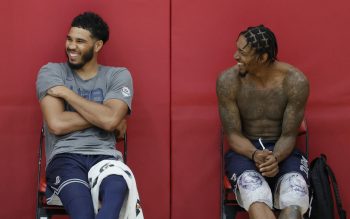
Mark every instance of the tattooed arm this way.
pixel 227 86
pixel 296 86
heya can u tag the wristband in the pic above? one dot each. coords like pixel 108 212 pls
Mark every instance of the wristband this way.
pixel 254 154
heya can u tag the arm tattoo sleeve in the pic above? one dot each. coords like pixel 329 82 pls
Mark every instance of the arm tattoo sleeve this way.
pixel 297 88
pixel 228 110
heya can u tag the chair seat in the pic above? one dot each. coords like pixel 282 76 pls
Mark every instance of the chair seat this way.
pixel 42 186
pixel 227 184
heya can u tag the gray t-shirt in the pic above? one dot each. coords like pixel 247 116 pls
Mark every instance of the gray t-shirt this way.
pixel 109 83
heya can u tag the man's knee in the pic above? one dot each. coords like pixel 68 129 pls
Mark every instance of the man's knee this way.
pixel 258 206
pixel 114 185
pixel 252 188
pixel 291 212
pixel 113 190
pixel 80 208
pixel 292 193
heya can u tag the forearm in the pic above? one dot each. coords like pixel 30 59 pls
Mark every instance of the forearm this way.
pixel 58 120
pixel 97 114
pixel 67 122
pixel 241 145
pixel 284 147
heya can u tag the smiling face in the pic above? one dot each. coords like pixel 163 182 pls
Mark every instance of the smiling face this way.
pixel 245 56
pixel 79 47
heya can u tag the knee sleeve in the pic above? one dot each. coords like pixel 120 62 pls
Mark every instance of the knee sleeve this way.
pixel 292 189
pixel 113 185
pixel 252 187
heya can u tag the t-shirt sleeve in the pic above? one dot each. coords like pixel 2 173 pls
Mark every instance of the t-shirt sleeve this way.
pixel 49 76
pixel 121 86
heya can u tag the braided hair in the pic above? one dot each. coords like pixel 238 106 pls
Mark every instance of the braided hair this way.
pixel 263 40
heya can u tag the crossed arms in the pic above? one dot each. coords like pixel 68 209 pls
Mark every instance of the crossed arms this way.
pixel 108 116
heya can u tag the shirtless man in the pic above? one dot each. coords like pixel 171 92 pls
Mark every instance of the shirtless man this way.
pixel 261 105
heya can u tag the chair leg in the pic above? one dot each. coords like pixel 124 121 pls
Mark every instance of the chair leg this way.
pixel 229 212
pixel 42 214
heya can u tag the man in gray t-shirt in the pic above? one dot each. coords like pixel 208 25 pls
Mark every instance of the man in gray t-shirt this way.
pixel 84 105
pixel 108 84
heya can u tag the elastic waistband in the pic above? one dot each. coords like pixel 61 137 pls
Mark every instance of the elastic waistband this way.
pixel 262 144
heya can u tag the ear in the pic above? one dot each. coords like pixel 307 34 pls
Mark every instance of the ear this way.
pixel 98 45
pixel 263 58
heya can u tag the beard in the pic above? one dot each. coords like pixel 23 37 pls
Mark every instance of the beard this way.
pixel 242 71
pixel 85 58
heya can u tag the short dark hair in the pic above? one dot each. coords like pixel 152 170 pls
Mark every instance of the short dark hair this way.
pixel 94 23
pixel 263 40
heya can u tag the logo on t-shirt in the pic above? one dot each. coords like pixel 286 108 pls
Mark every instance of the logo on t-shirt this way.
pixel 126 91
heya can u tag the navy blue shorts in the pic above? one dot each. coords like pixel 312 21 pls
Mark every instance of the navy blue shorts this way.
pixel 236 164
pixel 68 168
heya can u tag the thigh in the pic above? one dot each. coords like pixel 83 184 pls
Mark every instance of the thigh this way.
pixel 252 187
pixel 292 182
pixel 235 165
pixel 292 190
pixel 67 178
pixel 294 163
pixel 65 169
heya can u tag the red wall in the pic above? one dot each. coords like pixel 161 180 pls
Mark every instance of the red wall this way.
pixel 313 36
pixel 175 49
pixel 33 33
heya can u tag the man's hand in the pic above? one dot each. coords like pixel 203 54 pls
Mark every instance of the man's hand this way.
pixel 260 156
pixel 121 129
pixel 58 91
pixel 270 167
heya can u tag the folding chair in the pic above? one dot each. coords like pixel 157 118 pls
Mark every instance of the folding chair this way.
pixel 229 205
pixel 43 210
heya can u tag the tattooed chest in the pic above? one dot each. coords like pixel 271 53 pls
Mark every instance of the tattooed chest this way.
pixel 256 104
